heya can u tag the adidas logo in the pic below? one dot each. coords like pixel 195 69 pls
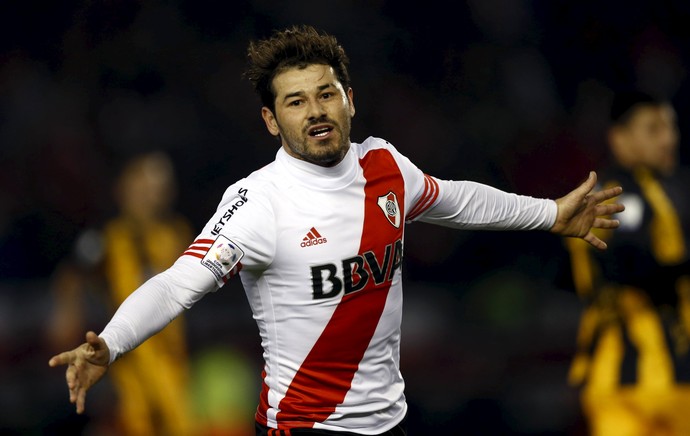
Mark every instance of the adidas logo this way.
pixel 313 238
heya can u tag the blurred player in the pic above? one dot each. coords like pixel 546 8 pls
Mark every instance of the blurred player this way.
pixel 633 358
pixel 317 239
pixel 143 239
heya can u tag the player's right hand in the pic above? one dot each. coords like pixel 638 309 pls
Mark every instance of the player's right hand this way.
pixel 86 364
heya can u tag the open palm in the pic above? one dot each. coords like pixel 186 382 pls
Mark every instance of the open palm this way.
pixel 584 209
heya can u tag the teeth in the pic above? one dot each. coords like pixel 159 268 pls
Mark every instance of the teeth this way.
pixel 320 132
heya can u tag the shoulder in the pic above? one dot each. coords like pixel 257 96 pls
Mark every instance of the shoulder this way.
pixel 377 145
pixel 259 184
pixel 373 143
pixel 248 203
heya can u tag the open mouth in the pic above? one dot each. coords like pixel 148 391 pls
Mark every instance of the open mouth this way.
pixel 320 132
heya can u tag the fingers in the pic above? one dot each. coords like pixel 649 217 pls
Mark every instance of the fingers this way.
pixel 85 365
pixel 609 209
pixel 93 339
pixel 61 359
pixel 590 211
pixel 98 352
pixel 605 223
pixel 81 400
pixel 595 242
pixel 72 379
pixel 607 194
pixel 93 345
pixel 589 184
pixel 77 392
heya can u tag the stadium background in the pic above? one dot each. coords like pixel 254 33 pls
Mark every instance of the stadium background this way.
pixel 512 93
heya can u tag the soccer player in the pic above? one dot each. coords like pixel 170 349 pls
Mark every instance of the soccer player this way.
pixel 317 239
pixel 143 238
pixel 633 359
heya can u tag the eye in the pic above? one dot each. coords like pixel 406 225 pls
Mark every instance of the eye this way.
pixel 326 95
pixel 295 101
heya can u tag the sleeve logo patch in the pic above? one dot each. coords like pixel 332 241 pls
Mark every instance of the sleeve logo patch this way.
pixel 222 259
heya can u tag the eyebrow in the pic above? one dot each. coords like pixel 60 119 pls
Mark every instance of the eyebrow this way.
pixel 300 93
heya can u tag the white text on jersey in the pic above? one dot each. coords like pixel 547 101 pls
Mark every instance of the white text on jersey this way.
pixel 242 193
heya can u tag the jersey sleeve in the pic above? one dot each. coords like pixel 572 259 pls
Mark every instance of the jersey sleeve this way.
pixel 470 205
pixel 241 234
pixel 238 235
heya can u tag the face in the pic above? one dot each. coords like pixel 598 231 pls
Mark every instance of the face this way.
pixel 650 138
pixel 145 189
pixel 313 114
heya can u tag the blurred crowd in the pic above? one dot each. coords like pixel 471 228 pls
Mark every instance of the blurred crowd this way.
pixel 513 93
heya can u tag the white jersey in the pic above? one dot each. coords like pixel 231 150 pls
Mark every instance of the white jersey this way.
pixel 319 252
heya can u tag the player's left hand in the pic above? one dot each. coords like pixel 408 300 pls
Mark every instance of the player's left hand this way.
pixel 583 209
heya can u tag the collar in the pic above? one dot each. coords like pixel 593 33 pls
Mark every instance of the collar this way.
pixel 319 177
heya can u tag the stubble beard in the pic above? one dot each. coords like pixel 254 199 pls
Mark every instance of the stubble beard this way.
pixel 326 155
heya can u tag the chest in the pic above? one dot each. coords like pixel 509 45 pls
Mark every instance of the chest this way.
pixel 336 242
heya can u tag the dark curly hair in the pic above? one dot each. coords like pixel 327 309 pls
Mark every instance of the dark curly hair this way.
pixel 297 46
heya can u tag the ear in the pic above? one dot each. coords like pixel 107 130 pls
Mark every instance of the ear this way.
pixel 270 120
pixel 350 98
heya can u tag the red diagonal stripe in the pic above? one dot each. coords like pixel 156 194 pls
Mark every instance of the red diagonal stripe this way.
pixel 315 232
pixel 326 374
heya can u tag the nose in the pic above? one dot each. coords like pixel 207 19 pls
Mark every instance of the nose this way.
pixel 316 109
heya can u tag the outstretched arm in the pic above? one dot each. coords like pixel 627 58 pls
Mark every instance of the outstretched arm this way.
pixel 144 313
pixel 86 364
pixel 584 209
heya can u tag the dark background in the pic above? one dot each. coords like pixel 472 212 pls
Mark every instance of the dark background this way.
pixel 506 92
